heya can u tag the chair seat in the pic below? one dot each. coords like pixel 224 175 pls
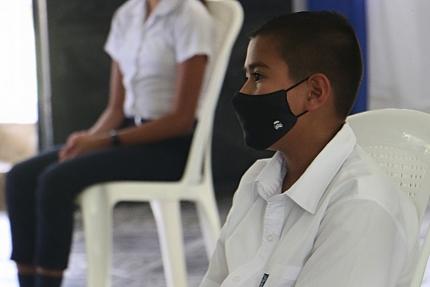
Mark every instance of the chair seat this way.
pixel 132 191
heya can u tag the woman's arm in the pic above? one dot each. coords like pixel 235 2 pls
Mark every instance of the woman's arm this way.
pixel 179 121
pixel 113 115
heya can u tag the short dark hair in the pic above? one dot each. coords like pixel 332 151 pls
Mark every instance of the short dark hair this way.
pixel 319 42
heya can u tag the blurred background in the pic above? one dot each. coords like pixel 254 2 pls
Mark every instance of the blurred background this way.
pixel 54 74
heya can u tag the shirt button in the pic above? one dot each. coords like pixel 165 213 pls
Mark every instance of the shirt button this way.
pixel 269 237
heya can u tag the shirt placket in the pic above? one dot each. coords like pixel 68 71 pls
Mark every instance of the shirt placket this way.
pixel 146 26
pixel 272 227
pixel 273 223
pixel 274 219
pixel 134 76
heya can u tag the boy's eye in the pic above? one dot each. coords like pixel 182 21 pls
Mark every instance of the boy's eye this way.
pixel 256 76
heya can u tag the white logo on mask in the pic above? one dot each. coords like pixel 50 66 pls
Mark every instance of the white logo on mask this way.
pixel 277 125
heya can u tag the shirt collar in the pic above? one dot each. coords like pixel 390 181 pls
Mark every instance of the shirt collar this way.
pixel 167 6
pixel 309 188
pixel 271 176
pixel 164 7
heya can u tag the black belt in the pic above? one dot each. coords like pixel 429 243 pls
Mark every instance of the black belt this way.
pixel 133 121
pixel 136 121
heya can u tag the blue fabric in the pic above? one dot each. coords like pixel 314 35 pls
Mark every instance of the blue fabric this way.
pixel 355 12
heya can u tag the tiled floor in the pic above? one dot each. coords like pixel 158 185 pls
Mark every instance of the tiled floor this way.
pixel 136 256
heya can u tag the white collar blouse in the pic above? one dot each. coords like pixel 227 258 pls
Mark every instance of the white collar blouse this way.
pixel 148 51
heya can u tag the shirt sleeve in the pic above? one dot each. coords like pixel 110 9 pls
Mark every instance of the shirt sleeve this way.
pixel 243 198
pixel 193 33
pixel 218 265
pixel 115 36
pixel 359 244
pixel 217 270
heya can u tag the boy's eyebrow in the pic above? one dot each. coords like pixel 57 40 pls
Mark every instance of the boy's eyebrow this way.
pixel 255 65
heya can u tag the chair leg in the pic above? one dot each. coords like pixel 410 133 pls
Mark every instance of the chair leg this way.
pixel 97 218
pixel 209 222
pixel 169 225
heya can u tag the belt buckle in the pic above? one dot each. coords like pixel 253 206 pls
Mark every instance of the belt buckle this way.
pixel 137 120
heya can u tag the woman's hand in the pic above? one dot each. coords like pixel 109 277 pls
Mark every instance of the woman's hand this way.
pixel 81 142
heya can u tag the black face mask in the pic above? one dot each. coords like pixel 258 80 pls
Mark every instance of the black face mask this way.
pixel 265 118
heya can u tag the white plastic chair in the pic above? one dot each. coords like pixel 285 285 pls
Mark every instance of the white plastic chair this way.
pixel 97 202
pixel 399 141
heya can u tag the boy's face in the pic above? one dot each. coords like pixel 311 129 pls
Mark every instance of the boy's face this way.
pixel 266 72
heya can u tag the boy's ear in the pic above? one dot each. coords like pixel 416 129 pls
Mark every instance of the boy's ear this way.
pixel 319 91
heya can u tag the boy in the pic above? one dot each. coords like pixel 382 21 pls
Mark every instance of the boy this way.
pixel 319 212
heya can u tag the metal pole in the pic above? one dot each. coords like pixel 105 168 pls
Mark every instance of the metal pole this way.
pixel 43 73
pixel 298 5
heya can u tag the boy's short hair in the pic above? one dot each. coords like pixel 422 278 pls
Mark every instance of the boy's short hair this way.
pixel 319 42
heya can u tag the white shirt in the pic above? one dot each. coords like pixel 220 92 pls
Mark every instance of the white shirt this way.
pixel 341 224
pixel 148 51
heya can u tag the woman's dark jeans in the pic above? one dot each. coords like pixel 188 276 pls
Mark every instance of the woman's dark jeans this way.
pixel 41 193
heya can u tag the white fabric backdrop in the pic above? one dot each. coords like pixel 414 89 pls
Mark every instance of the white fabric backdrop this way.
pixel 398 49
pixel 18 86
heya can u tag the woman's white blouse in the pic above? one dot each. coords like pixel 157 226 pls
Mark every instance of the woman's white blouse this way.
pixel 342 224
pixel 148 51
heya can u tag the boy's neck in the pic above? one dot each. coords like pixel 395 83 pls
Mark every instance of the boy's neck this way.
pixel 300 153
pixel 150 4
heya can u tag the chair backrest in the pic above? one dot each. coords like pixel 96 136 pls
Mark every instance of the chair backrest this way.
pixel 228 19
pixel 399 141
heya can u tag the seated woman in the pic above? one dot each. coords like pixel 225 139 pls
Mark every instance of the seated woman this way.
pixel 159 50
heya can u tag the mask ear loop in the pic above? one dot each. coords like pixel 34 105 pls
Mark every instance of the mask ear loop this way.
pixel 301 114
pixel 298 83
pixel 292 87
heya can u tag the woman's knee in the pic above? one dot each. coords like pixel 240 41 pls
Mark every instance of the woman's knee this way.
pixel 21 180
pixel 55 189
pixel 51 182
pixel 17 173
pixel 17 183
